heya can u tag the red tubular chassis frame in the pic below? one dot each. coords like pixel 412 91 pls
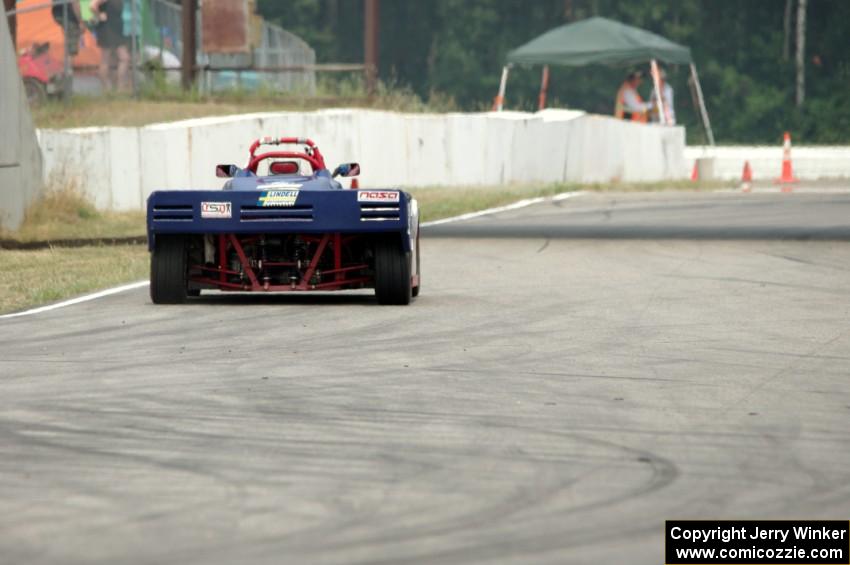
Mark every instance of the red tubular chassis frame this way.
pixel 333 243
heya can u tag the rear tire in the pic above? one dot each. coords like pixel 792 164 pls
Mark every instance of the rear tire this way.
pixel 392 273
pixel 416 288
pixel 169 270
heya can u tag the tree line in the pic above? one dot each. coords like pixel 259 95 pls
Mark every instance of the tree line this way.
pixel 766 66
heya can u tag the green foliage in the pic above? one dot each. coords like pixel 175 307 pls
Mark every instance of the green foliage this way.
pixel 454 50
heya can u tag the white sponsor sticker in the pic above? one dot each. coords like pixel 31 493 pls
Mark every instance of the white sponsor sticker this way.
pixel 278 185
pixel 377 196
pixel 215 210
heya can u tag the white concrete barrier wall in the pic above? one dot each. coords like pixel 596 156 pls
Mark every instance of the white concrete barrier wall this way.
pixel 119 167
pixel 104 162
pixel 809 162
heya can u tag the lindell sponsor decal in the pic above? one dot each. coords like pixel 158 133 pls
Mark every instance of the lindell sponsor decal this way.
pixel 215 209
pixel 377 196
pixel 281 198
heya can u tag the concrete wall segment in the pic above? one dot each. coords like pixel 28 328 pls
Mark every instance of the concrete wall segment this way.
pixel 393 149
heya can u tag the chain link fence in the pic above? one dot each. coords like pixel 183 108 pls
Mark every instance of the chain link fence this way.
pixel 282 61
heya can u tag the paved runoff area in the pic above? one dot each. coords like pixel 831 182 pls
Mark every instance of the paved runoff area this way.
pixel 573 374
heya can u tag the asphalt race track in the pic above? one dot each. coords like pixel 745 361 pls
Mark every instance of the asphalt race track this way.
pixel 662 215
pixel 574 373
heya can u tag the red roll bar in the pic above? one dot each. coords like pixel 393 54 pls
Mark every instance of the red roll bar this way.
pixel 312 154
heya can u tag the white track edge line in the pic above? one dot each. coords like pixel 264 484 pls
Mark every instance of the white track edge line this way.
pixel 513 206
pixel 77 300
pixel 139 284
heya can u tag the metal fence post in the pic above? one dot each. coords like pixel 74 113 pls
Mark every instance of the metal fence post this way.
pixel 134 48
pixel 66 58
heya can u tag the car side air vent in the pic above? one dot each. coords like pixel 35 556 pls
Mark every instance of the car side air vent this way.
pixel 172 213
pixel 273 214
pixel 379 212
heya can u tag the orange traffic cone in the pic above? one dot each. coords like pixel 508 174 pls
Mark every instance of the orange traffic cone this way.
pixel 695 172
pixel 787 177
pixel 747 178
pixel 355 183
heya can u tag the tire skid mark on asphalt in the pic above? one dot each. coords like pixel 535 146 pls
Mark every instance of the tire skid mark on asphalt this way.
pixel 553 374
pixel 30 440
pixel 663 473
pixel 517 501
pixel 817 482
pixel 784 371
pixel 668 358
pixel 806 261
pixel 780 352
pixel 837 291
pixel 308 451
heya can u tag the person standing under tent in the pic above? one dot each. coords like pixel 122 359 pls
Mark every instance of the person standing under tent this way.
pixel 112 42
pixel 666 98
pixel 629 105
pixel 75 23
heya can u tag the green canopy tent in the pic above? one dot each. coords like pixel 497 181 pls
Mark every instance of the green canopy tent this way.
pixel 600 41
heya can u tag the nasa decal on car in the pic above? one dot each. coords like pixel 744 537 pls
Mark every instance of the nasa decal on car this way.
pixel 285 195
pixel 377 196
pixel 216 210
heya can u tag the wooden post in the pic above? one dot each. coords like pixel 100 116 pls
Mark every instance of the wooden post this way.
pixel 659 97
pixel 189 43
pixel 544 86
pixel 801 53
pixel 703 112
pixel 370 44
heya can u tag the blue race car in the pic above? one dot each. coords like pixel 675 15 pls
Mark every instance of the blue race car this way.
pixel 293 229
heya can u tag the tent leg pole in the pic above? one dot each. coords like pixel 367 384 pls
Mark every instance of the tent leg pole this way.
pixel 499 102
pixel 659 96
pixel 544 86
pixel 706 123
